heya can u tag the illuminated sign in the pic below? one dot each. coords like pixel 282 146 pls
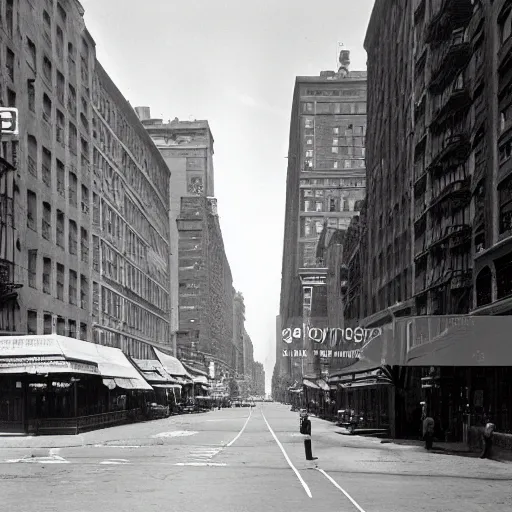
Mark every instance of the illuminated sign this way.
pixel 9 118
pixel 333 335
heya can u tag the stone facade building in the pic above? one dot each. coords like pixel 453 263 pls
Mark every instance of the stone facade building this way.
pixel 325 189
pixel 238 333
pixel 90 190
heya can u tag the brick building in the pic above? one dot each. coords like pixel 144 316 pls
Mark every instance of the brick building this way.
pixel 434 237
pixel 206 288
pixel 90 190
pixel 238 333
pixel 325 189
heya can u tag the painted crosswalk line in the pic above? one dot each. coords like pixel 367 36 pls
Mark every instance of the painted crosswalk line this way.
pixel 201 464
pixel 176 433
pixel 115 461
pixel 50 459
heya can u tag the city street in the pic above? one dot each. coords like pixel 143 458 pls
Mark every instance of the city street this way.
pixel 237 460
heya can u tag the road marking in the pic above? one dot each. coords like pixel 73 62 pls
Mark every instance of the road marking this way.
pixel 301 480
pixel 116 446
pixel 115 461
pixel 175 433
pixel 354 502
pixel 52 459
pixel 201 464
pixel 241 431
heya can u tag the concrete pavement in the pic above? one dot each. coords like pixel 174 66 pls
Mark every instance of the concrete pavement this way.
pixel 231 462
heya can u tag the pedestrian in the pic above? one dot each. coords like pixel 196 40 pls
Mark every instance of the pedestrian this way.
pixel 488 435
pixel 305 429
pixel 428 432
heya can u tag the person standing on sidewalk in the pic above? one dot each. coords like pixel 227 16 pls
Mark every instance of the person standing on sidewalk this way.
pixel 305 429
pixel 428 432
pixel 488 434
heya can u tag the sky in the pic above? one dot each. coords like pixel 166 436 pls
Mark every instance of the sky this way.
pixel 234 63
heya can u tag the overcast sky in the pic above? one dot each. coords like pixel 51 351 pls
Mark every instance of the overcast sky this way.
pixel 234 63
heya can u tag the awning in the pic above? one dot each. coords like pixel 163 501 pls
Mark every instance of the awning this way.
pixel 153 371
pixel 323 385
pixel 310 384
pixel 123 383
pixel 194 371
pixel 172 365
pixel 201 380
pixel 167 386
pixel 476 341
pixel 365 384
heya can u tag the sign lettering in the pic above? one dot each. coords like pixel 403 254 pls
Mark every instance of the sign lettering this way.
pixel 334 335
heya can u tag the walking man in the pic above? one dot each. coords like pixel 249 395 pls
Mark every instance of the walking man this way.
pixel 428 432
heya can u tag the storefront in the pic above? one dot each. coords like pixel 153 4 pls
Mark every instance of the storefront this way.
pixel 55 384
pixel 176 370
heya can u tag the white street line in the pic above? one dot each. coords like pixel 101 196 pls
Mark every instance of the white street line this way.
pixel 241 431
pixel 301 480
pixel 354 502
pixel 52 459
pixel 115 461
pixel 200 464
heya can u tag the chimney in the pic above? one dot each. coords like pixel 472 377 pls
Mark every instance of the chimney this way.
pixel 344 59
pixel 144 113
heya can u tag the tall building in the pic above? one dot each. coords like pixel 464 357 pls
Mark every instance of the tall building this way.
pixel 436 229
pixel 325 188
pixel 187 148
pixel 238 333
pixel 258 379
pixel 202 296
pixel 90 190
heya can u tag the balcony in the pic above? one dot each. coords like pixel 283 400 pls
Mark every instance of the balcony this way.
pixel 460 233
pixel 452 61
pixel 458 99
pixel 455 146
pixel 452 14
pixel 457 192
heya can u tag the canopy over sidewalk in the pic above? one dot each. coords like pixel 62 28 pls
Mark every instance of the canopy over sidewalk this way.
pixel 172 365
pixel 59 354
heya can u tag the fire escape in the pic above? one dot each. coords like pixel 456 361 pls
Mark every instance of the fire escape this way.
pixel 442 185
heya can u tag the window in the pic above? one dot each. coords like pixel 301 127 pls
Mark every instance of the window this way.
pixel 332 205
pixel 96 253
pixel 31 322
pixel 47 70
pixel 32 155
pixel 60 281
pixel 72 138
pixel 47 21
pixel 47 221
pixel 84 292
pixel 335 149
pixel 47 275
pixel 84 244
pixel 85 200
pixel 61 326
pixel 505 199
pixel 46 167
pixel 60 229
pixel 9 16
pixel 505 25
pixel 72 287
pixel 47 109
pixel 72 328
pixel 32 55
pixel 505 118
pixel 32 268
pixel 9 63
pixel 309 153
pixel 335 165
pixel 60 127
pixel 31 95
pixel 73 192
pixel 308 122
pixel 336 131
pixel 83 331
pixel 60 43
pixel 309 141
pixel 319 206
pixel 31 210
pixel 72 237
pixel 61 86
pixel 335 142
pixel 72 100
pixel 61 178
pixel 307 107
pixel 47 323
pixel 62 12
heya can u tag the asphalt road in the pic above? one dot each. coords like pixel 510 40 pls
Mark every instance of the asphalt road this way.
pixel 241 460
